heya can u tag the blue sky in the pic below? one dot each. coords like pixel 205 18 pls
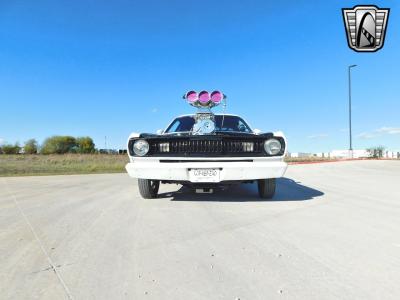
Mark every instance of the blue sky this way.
pixel 107 68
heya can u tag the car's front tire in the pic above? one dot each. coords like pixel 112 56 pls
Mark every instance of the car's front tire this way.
pixel 148 188
pixel 266 188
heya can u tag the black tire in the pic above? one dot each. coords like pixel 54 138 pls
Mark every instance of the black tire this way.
pixel 148 188
pixel 266 188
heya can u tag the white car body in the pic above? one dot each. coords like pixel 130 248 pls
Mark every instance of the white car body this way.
pixel 180 169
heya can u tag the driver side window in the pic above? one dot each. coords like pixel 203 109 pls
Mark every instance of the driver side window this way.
pixel 241 126
pixel 174 126
pixel 181 125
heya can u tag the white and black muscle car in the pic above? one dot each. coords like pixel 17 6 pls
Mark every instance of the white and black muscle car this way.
pixel 204 151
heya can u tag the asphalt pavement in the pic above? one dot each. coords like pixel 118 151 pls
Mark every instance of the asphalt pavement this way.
pixel 331 232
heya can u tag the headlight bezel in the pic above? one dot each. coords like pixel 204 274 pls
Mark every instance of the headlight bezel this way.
pixel 270 142
pixel 144 144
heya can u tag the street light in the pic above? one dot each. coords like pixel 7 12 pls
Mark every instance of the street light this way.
pixel 350 136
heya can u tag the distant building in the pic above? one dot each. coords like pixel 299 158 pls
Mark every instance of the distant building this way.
pixel 300 154
pixel 344 154
pixel 350 154
pixel 391 154
pixel 323 154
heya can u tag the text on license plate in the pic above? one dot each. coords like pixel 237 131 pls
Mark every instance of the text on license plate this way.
pixel 204 175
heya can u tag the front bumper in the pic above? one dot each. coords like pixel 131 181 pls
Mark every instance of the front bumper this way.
pixel 234 169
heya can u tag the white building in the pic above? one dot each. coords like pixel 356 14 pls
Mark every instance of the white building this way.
pixel 344 154
pixel 349 154
pixel 300 154
pixel 391 154
pixel 323 154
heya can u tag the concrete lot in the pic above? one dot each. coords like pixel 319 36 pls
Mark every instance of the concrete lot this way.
pixel 332 232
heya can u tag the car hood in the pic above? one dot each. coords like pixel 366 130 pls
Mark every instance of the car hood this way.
pixel 222 134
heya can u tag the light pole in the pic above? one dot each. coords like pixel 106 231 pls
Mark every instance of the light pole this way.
pixel 350 134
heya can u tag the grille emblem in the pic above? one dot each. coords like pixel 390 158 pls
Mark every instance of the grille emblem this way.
pixel 365 27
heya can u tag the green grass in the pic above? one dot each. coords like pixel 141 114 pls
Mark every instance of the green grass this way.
pixel 26 165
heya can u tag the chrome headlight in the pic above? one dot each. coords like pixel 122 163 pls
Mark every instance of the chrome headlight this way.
pixel 272 146
pixel 141 147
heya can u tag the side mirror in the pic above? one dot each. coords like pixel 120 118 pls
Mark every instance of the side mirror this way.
pixel 257 131
pixel 159 131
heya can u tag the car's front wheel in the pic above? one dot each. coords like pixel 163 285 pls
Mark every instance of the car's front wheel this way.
pixel 148 188
pixel 266 188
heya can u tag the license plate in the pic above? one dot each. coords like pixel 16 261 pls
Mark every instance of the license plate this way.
pixel 204 175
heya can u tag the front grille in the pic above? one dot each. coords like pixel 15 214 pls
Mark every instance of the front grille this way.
pixel 206 147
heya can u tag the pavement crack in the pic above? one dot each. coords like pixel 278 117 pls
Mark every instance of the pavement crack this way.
pixel 53 268
pixel 42 270
pixel 36 236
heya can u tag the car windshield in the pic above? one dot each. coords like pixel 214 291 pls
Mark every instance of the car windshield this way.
pixel 222 124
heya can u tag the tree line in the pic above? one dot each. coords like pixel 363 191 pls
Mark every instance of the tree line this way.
pixel 52 145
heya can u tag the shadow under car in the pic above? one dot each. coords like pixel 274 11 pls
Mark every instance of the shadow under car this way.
pixel 286 190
